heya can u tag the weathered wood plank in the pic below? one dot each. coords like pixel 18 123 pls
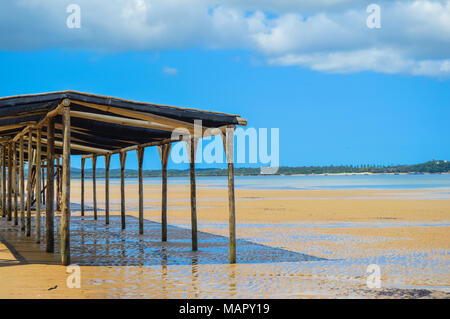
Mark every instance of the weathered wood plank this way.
pixel 22 184
pixel 38 185
pixel 140 157
pixel 123 157
pixel 164 151
pixel 10 159
pixel 65 213
pixel 58 184
pixel 50 202
pixel 192 147
pixel 107 164
pixel 229 151
pixel 43 182
pixel 83 161
pixel 4 151
pixel 14 184
pixel 94 185
pixel 29 184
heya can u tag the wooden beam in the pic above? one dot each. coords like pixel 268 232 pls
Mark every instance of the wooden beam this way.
pixel 121 121
pixel 4 180
pixel 22 185
pixel 135 147
pixel 14 126
pixel 29 184
pixel 140 157
pixel 50 185
pixel 65 213
pixel 32 124
pixel 107 163
pixel 79 147
pixel 192 147
pixel 50 115
pixel 229 151
pixel 183 128
pixel 94 185
pixel 123 157
pixel 58 185
pixel 31 113
pixel 89 133
pixel 43 182
pixel 38 186
pixel 2 184
pixel 23 132
pixel 159 122
pixel 74 139
pixel 10 159
pixel 25 150
pixel 164 151
pixel 83 160
pixel 14 167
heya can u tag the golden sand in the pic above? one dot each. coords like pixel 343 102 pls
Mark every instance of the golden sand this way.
pixel 404 232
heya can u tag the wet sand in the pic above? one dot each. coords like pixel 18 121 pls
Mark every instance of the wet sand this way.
pixel 291 244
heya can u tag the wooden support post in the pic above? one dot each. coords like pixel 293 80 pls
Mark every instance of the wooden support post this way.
pixel 33 175
pixel 60 183
pixel 10 159
pixel 229 151
pixel 94 185
pixel 65 213
pixel 14 184
pixel 50 202
pixel 192 147
pixel 164 151
pixel 38 186
pixel 22 185
pixel 4 181
pixel 83 160
pixel 2 185
pixel 44 165
pixel 107 163
pixel 58 186
pixel 140 157
pixel 123 157
pixel 29 191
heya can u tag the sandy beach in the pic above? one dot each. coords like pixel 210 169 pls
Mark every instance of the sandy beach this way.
pixel 291 244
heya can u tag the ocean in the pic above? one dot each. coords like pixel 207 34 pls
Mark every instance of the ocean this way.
pixel 315 182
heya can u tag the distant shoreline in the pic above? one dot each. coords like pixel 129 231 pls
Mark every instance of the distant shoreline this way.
pixel 431 167
pixel 365 174
pixel 261 175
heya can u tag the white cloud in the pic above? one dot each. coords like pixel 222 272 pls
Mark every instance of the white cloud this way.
pixel 385 61
pixel 324 35
pixel 303 6
pixel 170 71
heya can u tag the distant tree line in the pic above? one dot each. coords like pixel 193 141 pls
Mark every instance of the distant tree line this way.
pixel 432 167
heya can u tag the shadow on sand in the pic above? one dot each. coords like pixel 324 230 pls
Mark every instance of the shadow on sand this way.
pixel 95 244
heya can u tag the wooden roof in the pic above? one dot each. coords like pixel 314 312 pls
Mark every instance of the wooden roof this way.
pixel 101 124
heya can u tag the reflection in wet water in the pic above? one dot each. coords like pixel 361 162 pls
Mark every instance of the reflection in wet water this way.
pixel 96 244
pixel 122 264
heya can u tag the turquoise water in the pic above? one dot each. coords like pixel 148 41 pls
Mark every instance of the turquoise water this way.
pixel 395 182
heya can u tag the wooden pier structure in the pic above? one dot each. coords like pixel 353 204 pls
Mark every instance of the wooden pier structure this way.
pixel 41 129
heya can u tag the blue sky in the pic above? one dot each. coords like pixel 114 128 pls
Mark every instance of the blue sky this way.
pixel 332 116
